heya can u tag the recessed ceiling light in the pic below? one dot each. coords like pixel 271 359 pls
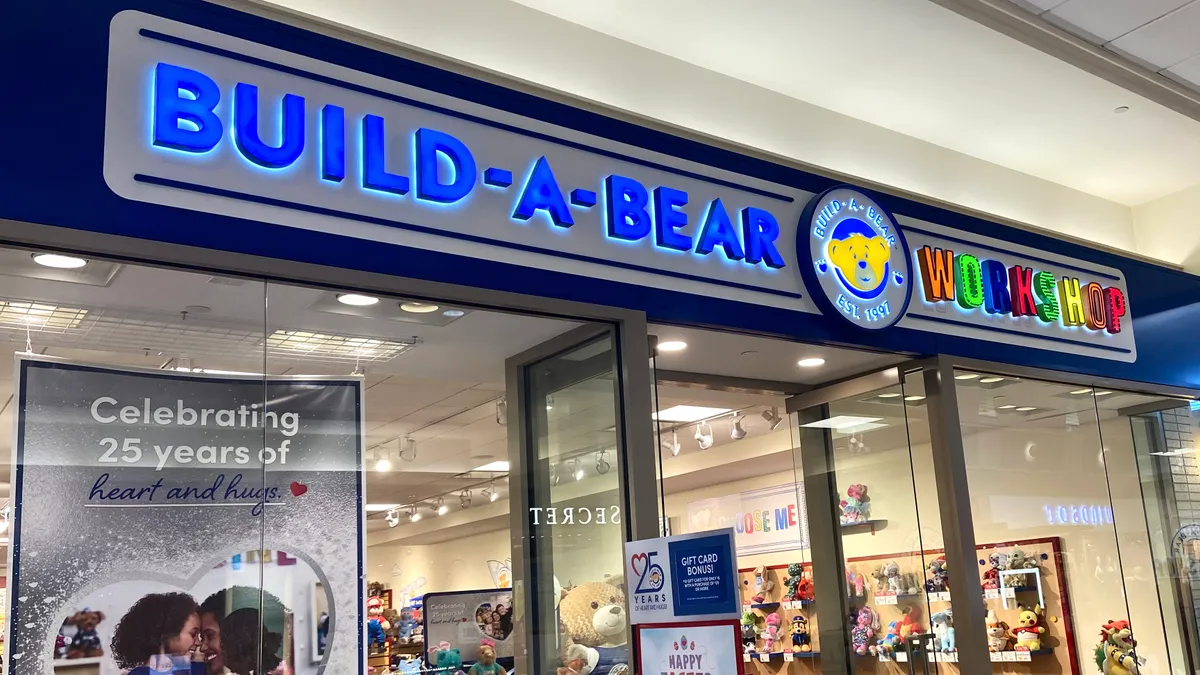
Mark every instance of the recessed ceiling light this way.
pixel 966 376
pixel 914 398
pixel 62 262
pixel 357 300
pixel 991 379
pixel 453 313
pixel 418 307
pixel 1026 408
pixel 688 413
pixel 497 467
pixel 889 395
pixel 1103 393
pixel 812 362
pixel 840 422
pixel 1006 407
pixel 1081 392
pixel 672 346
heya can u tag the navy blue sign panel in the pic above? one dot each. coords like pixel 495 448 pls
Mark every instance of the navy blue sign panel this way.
pixel 704 575
pixel 320 151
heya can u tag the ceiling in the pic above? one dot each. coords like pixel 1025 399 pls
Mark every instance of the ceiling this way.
pixel 911 66
pixel 1161 35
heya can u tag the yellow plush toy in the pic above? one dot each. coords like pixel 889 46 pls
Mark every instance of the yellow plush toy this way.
pixel 861 258
pixel 1028 631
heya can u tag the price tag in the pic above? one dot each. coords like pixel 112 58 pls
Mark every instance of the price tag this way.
pixel 902 657
pixel 1024 657
pixel 939 657
pixel 788 657
pixel 953 657
pixel 941 597
pixel 745 608
pixel 883 658
pixel 746 657
pixel 1009 592
pixel 996 657
pixel 991 594
pixel 1010 657
pixel 787 604
pixel 764 657
pixel 888 599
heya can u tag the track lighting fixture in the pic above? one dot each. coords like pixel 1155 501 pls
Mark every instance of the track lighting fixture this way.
pixel 704 435
pixel 502 412
pixel 773 418
pixel 556 474
pixel 549 401
pixel 602 465
pixel 383 459
pixel 736 430
pixel 439 506
pixel 408 449
pixel 674 446
pixel 413 514
pixel 393 517
pixel 579 474
pixel 464 499
pixel 490 492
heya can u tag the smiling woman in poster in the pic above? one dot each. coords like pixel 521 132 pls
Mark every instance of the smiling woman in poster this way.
pixel 160 634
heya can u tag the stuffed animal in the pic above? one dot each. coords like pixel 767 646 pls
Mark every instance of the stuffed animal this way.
pixel 795 574
pixel 86 643
pixel 1017 560
pixel 997 633
pixel 762 584
pixel 854 584
pixel 908 624
pixel 771 634
pixel 448 661
pixel 943 630
pixel 991 577
pixel 593 614
pixel 377 626
pixel 1028 632
pixel 887 645
pixel 866 625
pixel 939 577
pixel 750 631
pixel 855 508
pixel 406 624
pixel 895 583
pixel 1115 654
pixel 801 640
pixel 881 583
pixel 805 590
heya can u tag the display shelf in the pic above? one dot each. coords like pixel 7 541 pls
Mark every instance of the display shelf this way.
pixel 764 605
pixel 755 656
pixel 872 525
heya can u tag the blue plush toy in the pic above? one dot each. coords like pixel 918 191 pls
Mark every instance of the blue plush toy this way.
pixel 943 630
pixel 407 624
pixel 447 660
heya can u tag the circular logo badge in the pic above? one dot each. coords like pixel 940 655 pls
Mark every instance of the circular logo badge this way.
pixel 854 259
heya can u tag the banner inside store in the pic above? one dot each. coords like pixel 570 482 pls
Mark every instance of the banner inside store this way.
pixel 230 505
pixel 764 520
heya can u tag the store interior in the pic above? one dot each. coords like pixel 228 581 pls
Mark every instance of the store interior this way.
pixel 1055 471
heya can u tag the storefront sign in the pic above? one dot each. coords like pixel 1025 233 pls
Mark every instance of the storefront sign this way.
pixel 205 121
pixel 464 619
pixel 764 520
pixel 699 648
pixel 690 576
pixel 875 272
pixel 133 484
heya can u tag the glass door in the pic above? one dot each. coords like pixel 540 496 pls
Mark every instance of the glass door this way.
pixel 565 398
pixel 880 587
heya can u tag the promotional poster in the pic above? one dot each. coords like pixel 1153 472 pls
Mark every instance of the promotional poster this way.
pixel 765 520
pixel 462 620
pixel 230 505
pixel 688 576
pixel 709 648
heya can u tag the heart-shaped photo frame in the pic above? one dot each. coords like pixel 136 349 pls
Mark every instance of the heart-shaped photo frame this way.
pixel 494 619
pixel 278 598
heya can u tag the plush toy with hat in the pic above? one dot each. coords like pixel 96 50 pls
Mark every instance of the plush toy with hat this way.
pixel 377 626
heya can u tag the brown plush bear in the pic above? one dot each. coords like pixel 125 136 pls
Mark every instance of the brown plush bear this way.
pixel 593 614
pixel 86 644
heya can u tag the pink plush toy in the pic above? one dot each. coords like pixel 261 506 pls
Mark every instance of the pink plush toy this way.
pixel 771 634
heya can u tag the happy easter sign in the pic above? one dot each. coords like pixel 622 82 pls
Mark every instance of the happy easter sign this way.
pixel 131 484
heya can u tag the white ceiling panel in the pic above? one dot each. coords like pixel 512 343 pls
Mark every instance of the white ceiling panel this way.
pixel 1165 42
pixel 1039 5
pixel 1187 72
pixel 1106 20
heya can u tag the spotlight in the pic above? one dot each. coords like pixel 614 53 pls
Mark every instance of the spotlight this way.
pixel 602 465
pixel 674 446
pixel 393 518
pixel 490 492
pixel 704 435
pixel 464 499
pixel 413 514
pixel 439 505
pixel 736 431
pixel 579 474
pixel 502 412
pixel 556 474
pixel 549 401
pixel 773 418
pixel 382 461
pixel 408 449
